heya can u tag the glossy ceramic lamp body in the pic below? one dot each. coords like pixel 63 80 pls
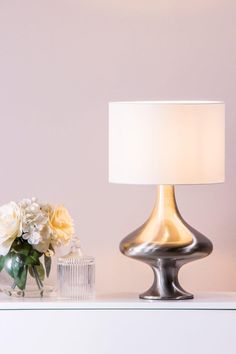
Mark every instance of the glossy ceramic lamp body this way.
pixel 166 143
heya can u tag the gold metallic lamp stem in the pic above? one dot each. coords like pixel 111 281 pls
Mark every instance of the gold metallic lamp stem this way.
pixel 165 225
pixel 165 199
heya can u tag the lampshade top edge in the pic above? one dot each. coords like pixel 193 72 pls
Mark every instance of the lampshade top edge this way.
pixel 174 102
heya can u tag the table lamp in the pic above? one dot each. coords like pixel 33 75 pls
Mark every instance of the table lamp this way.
pixel 165 143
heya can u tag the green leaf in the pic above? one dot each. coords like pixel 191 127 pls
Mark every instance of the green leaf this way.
pixel 2 261
pixel 17 265
pixel 35 254
pixel 40 271
pixel 8 264
pixel 48 264
pixel 22 247
pixel 16 268
pixel 21 278
pixel 31 261
pixel 29 255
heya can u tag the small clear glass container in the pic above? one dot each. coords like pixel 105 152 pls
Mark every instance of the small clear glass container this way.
pixel 76 275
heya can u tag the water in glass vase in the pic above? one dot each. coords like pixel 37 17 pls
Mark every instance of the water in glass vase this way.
pixel 26 272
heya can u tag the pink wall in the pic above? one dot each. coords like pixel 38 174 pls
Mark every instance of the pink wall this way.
pixel 61 61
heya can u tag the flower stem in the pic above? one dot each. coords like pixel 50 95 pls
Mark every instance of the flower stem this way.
pixel 38 281
pixel 13 285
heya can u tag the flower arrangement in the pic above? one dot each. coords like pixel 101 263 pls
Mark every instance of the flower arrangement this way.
pixel 29 233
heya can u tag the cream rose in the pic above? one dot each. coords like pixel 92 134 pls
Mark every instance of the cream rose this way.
pixel 10 226
pixel 61 225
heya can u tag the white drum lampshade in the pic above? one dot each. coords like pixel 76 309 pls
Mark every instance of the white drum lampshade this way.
pixel 166 142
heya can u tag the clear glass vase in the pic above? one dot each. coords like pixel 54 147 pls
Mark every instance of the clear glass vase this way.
pixel 24 276
pixel 32 289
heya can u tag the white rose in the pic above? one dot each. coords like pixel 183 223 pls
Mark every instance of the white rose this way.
pixel 10 226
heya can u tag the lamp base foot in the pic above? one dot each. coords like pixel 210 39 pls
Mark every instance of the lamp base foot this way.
pixel 145 296
pixel 155 296
pixel 166 285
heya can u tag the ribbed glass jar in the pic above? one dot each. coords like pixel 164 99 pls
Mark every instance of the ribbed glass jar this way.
pixel 76 276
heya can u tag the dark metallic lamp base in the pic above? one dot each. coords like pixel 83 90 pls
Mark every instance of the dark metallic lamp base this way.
pixel 166 285
pixel 166 242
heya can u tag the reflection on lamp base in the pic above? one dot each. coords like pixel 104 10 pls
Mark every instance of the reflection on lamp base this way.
pixel 166 242
pixel 166 285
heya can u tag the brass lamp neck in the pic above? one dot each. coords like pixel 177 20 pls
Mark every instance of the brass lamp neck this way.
pixel 165 200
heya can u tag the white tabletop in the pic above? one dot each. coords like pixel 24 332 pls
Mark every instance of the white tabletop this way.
pixel 204 301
